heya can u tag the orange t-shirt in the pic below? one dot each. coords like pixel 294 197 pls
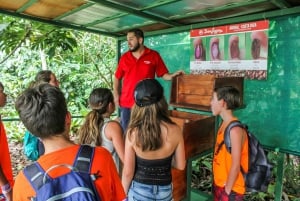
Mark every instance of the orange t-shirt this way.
pixel 108 185
pixel 5 161
pixel 222 163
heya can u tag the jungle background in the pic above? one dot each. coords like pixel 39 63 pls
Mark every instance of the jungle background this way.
pixel 81 62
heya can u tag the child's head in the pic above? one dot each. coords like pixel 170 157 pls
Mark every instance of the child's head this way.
pixel 46 76
pixel 43 110
pixel 99 100
pixel 225 94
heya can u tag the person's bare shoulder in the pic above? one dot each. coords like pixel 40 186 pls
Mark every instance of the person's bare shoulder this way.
pixel 113 123
pixel 175 131
pixel 112 128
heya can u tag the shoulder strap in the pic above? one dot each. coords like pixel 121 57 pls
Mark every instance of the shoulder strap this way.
pixel 227 141
pixel 34 174
pixel 232 124
pixel 84 158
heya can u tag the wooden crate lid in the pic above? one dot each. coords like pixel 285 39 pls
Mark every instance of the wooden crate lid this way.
pixel 195 91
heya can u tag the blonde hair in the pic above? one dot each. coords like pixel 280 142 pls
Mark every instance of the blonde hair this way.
pixel 89 132
pixel 145 122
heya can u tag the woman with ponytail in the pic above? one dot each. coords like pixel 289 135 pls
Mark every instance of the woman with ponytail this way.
pixel 98 129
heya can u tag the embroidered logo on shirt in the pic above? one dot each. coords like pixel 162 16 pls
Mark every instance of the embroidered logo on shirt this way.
pixel 147 62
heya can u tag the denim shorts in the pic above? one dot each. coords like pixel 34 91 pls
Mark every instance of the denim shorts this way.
pixel 145 192
pixel 125 116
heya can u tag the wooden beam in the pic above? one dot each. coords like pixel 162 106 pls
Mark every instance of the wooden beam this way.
pixel 137 12
pixel 281 4
pixel 26 5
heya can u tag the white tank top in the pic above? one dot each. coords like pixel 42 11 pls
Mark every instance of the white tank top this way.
pixel 106 143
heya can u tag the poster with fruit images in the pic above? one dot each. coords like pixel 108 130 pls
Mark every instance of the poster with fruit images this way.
pixel 236 50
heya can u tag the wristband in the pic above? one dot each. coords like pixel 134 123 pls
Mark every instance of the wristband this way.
pixel 6 192
pixel 6 188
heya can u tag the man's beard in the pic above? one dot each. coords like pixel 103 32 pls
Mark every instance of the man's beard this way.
pixel 135 48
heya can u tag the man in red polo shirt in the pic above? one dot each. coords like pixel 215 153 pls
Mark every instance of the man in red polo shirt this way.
pixel 138 63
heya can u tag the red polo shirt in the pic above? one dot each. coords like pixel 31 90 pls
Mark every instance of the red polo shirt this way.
pixel 133 70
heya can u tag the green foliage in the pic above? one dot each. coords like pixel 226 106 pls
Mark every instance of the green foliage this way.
pixel 81 62
pixel 202 174
pixel 36 36
pixel 16 131
pixel 292 177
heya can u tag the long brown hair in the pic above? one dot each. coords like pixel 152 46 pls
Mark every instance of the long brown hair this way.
pixel 146 121
pixel 89 132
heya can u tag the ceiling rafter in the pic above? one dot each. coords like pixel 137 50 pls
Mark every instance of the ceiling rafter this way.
pixel 114 17
pixel 58 23
pixel 162 3
pixel 281 4
pixel 26 5
pixel 221 8
pixel 137 12
pixel 246 18
pixel 74 10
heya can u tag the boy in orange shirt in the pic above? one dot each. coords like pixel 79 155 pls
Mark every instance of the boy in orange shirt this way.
pixel 229 184
pixel 43 111
pixel 6 176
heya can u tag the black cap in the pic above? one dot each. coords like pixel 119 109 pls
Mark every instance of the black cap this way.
pixel 147 92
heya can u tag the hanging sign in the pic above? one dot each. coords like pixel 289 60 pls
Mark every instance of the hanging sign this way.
pixel 236 50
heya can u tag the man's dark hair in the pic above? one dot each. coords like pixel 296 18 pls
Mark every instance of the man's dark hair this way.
pixel 137 32
pixel 230 95
pixel 42 110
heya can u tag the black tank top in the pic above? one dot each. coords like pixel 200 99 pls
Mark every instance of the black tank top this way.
pixel 153 172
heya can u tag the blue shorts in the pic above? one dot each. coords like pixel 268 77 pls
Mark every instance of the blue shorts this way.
pixel 124 117
pixel 145 192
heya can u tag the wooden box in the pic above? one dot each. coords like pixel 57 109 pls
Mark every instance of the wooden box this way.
pixel 195 92
pixel 198 133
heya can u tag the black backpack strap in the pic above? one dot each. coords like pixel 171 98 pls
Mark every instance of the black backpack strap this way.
pixel 227 141
pixel 232 124
pixel 84 158
pixel 34 174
